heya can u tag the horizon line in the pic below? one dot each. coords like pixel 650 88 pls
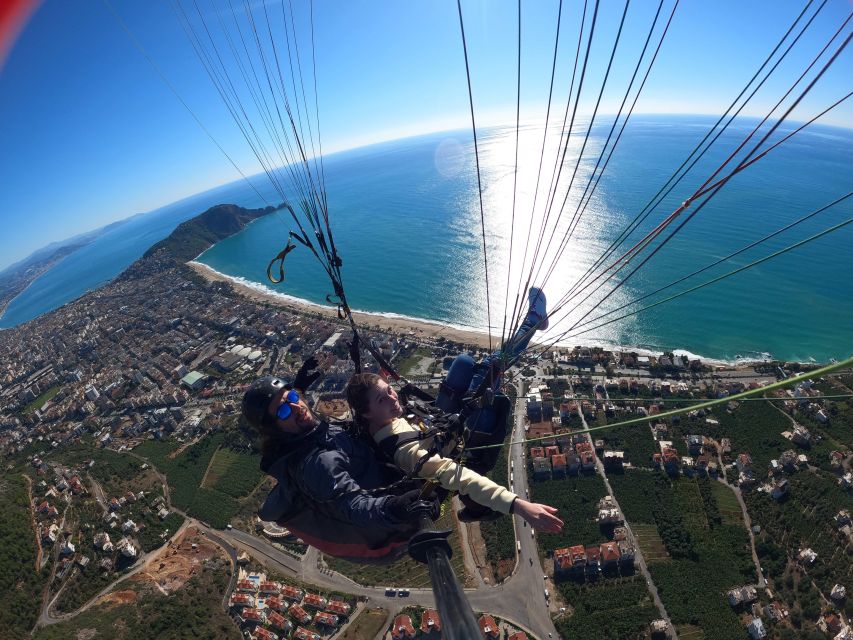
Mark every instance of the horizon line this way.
pixel 495 119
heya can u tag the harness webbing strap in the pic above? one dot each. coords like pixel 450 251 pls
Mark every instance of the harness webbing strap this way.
pixel 453 431
pixel 355 352
pixel 280 259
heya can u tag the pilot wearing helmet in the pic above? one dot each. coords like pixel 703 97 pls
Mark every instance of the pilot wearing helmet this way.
pixel 329 483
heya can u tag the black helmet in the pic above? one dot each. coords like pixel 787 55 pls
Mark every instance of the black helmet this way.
pixel 256 400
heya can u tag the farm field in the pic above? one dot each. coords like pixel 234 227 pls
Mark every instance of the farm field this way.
pixel 609 609
pixel 650 543
pixel 689 632
pixel 635 440
pixel 755 428
pixel 499 535
pixel 693 510
pixel 727 503
pixel 681 518
pixel 185 469
pixel 576 498
pixel 233 473
pixel 365 627
pixel 805 519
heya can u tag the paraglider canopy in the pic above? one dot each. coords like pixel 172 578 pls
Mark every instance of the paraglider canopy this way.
pixel 13 16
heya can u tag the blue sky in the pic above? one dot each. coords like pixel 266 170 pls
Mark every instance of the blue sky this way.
pixel 91 133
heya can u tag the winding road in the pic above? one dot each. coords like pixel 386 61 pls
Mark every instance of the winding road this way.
pixel 519 599
pixel 46 618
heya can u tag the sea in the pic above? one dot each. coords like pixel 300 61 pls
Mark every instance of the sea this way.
pixel 409 226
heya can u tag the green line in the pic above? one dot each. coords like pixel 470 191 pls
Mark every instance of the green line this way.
pixel 781 384
pixel 657 400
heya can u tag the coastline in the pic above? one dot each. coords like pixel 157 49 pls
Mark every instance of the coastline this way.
pixel 417 328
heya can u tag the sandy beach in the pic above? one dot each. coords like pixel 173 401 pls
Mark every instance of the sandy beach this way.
pixel 417 329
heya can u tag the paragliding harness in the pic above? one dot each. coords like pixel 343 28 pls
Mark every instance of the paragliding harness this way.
pixel 442 435
pixel 293 505
pixel 449 422
pixel 396 481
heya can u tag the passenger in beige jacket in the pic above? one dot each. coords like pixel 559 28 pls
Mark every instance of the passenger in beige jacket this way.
pixel 376 408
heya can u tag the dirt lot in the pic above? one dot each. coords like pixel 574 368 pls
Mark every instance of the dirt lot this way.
pixel 334 408
pixel 366 625
pixel 116 598
pixel 478 551
pixel 178 562
pixel 181 449
pixel 492 575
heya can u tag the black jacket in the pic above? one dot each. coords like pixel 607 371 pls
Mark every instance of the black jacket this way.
pixel 322 496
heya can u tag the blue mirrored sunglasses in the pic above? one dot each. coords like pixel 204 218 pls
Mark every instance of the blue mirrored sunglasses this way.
pixel 284 409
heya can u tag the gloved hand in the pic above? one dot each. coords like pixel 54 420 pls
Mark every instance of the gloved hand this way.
pixel 400 507
pixel 306 376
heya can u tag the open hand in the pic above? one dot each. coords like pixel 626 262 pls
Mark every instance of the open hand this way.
pixel 540 516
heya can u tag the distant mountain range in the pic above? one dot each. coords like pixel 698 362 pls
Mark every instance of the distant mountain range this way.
pixel 187 241
pixel 17 277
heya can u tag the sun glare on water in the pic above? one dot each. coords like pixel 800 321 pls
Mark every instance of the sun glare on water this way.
pixel 533 231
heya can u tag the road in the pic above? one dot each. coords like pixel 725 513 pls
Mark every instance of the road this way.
pixel 520 599
pixel 526 584
pixel 639 560
pixel 45 618
pixel 39 553
pixel 98 492
pixel 307 570
pixel 468 558
pixel 232 554
pixel 511 600
pixel 46 602
pixel 762 583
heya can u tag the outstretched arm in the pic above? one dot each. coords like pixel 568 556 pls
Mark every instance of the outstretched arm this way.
pixel 307 374
pixel 454 477
pixel 484 491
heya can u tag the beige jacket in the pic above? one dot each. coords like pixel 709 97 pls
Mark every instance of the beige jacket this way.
pixel 450 475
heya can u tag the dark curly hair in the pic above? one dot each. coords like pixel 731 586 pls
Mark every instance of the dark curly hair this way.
pixel 356 392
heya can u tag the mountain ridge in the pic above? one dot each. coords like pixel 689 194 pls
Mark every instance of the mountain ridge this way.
pixel 194 236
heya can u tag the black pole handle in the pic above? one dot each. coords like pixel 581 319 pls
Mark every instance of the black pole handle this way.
pixel 430 546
